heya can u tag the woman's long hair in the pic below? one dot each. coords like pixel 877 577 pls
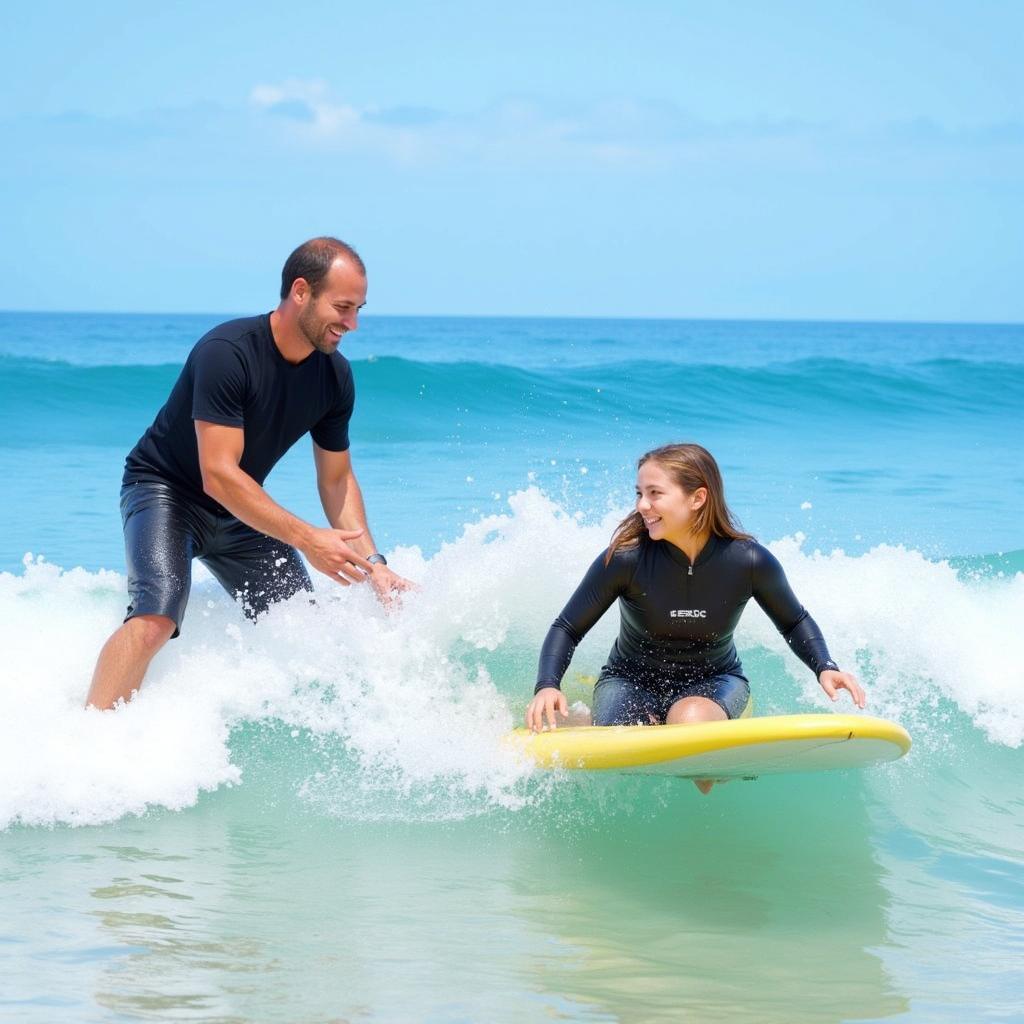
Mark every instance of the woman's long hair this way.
pixel 690 466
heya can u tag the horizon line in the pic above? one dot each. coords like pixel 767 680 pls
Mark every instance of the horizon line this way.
pixel 562 316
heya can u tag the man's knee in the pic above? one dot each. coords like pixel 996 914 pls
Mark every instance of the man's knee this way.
pixel 151 631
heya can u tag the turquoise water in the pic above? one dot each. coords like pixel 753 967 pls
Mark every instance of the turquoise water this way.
pixel 314 819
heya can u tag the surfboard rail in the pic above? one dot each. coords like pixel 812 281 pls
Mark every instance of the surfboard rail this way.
pixel 739 748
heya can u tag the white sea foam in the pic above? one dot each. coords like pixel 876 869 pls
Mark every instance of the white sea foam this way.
pixel 915 632
pixel 415 702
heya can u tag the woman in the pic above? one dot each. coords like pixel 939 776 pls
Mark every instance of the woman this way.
pixel 683 572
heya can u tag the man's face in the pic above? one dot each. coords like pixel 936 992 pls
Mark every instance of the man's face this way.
pixel 334 310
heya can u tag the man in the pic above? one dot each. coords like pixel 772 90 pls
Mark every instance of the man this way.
pixel 193 484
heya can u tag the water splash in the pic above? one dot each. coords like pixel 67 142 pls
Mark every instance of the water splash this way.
pixel 364 714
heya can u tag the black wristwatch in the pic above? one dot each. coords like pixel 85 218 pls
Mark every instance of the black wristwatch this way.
pixel 376 559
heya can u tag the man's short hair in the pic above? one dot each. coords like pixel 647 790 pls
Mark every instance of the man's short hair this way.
pixel 313 259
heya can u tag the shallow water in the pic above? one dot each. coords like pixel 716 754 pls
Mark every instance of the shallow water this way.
pixel 313 819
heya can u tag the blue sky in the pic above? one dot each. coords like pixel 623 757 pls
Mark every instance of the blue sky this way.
pixel 783 160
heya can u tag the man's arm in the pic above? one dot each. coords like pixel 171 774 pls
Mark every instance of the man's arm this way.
pixel 224 480
pixel 341 496
pixel 343 505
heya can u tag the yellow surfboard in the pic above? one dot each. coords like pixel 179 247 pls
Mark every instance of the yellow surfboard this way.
pixel 742 748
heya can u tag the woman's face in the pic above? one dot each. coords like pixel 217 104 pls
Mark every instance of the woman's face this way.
pixel 668 511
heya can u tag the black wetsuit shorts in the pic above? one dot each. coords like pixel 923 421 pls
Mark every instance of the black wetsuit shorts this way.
pixel 164 530
pixel 619 700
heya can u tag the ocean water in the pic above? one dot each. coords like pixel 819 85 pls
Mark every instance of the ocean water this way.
pixel 313 819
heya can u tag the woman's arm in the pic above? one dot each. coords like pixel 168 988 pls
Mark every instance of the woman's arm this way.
pixel 772 591
pixel 592 598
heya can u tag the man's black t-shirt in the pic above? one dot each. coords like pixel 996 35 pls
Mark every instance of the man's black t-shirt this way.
pixel 236 376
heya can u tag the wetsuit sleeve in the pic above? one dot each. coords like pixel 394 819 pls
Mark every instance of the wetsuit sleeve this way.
pixel 331 431
pixel 593 597
pixel 218 384
pixel 772 591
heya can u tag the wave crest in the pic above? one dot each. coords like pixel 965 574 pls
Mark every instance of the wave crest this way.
pixel 401 715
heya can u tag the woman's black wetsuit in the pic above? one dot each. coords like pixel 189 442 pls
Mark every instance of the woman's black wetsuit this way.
pixel 677 626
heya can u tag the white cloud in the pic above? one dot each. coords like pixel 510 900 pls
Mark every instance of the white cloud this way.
pixel 297 117
pixel 607 131
pixel 612 131
pixel 307 102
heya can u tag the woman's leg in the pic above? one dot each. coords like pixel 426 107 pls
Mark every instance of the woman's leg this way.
pixel 710 700
pixel 695 709
pixel 691 710
pixel 619 701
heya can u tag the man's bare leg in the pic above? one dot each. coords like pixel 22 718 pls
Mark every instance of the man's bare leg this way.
pixel 125 657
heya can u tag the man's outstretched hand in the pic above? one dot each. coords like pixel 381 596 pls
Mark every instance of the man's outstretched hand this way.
pixel 388 585
pixel 328 552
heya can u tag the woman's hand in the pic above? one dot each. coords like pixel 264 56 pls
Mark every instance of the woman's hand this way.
pixel 544 705
pixel 832 681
